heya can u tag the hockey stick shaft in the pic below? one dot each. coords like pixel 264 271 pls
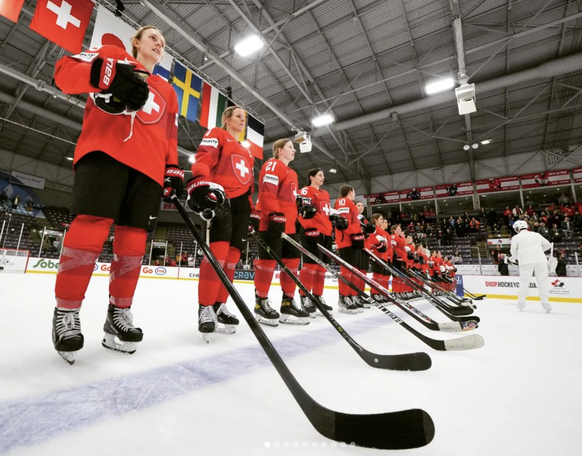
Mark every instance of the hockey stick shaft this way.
pixel 404 429
pixel 412 361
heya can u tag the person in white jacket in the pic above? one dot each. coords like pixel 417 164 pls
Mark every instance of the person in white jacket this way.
pixel 528 247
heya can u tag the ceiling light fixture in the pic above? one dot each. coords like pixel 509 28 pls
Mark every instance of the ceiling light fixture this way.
pixel 323 119
pixel 439 85
pixel 486 141
pixel 248 45
pixel 69 158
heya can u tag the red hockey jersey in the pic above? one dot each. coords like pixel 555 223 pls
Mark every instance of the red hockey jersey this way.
pixel 154 130
pixel 223 160
pixel 320 200
pixel 347 209
pixel 277 193
pixel 398 246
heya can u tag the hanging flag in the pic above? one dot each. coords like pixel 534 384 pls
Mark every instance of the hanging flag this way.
pixel 187 86
pixel 243 134
pixel 112 30
pixel 64 22
pixel 255 134
pixel 213 104
pixel 11 9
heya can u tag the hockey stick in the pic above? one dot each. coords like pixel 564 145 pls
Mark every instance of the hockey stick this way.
pixel 460 343
pixel 436 287
pixel 410 310
pixel 446 309
pixel 409 361
pixel 404 429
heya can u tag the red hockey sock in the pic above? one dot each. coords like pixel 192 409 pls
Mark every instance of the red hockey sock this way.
pixel 319 281
pixel 287 284
pixel 209 283
pixel 307 276
pixel 229 268
pixel 82 246
pixel 344 288
pixel 377 278
pixel 264 270
pixel 128 250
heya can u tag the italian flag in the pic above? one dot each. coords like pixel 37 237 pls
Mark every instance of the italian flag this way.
pixel 213 105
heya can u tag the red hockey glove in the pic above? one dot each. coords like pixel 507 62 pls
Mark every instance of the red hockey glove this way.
pixel 173 182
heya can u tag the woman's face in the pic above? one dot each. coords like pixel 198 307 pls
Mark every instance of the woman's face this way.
pixel 150 46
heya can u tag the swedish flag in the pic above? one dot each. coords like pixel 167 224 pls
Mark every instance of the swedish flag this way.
pixel 187 86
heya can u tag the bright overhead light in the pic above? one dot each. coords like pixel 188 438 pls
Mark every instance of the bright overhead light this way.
pixel 69 158
pixel 248 45
pixel 246 144
pixel 486 141
pixel 439 85
pixel 333 170
pixel 324 119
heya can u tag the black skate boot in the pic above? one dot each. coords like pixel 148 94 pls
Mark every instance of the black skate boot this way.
pixel 345 305
pixel 325 306
pixel 359 305
pixel 120 333
pixel 361 302
pixel 206 321
pixel 225 318
pixel 67 337
pixel 265 314
pixel 308 306
pixel 291 313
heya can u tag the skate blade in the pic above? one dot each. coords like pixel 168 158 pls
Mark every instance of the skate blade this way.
pixel 320 314
pixel 68 356
pixel 112 342
pixel 348 311
pixel 292 320
pixel 226 330
pixel 266 321
pixel 207 337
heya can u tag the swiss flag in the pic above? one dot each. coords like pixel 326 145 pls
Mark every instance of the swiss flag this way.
pixel 63 22
pixel 11 9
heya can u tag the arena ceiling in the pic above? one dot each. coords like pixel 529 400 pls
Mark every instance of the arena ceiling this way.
pixel 365 61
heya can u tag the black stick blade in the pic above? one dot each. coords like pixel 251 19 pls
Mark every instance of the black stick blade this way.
pixel 400 430
pixel 404 362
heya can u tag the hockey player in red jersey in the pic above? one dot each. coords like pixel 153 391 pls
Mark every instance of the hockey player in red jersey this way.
pixel 220 192
pixel 316 228
pixel 363 259
pixel 126 159
pixel 350 241
pixel 398 244
pixel 377 242
pixel 278 214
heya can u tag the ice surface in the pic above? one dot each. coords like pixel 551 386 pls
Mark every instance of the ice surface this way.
pixel 520 394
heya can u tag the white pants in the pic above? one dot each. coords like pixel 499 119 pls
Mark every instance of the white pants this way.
pixel 525 273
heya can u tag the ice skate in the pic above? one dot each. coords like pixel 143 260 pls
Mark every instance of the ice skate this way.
pixel 227 321
pixel 206 321
pixel 120 333
pixel 345 305
pixel 308 306
pixel 325 306
pixel 360 301
pixel 264 313
pixel 67 337
pixel 291 313
pixel 359 304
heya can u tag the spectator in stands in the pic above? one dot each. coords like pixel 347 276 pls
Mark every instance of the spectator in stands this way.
pixel 507 216
pixel 530 211
pixel 15 201
pixel 492 217
pixel 502 265
pixel 460 227
pixel 456 258
pixel 448 237
pixel 543 230
pixel 495 231
pixel 556 218
pixel 517 211
pixel 561 269
pixel 577 220
pixel 482 217
pixel 555 233
pixel 563 199
pixel 496 253
pixel 474 225
pixel 567 228
pixel 544 217
pixel 440 236
pixel 568 211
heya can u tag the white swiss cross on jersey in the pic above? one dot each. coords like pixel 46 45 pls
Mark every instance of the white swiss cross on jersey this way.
pixel 154 108
pixel 242 170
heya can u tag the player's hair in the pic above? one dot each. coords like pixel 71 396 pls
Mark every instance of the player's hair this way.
pixel 345 189
pixel 227 114
pixel 375 216
pixel 313 172
pixel 359 201
pixel 394 228
pixel 138 36
pixel 278 145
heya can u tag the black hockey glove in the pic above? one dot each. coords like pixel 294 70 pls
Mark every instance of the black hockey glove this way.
pixel 206 199
pixel 277 222
pixel 340 223
pixel 410 255
pixel 358 240
pixel 254 221
pixel 368 228
pixel 308 211
pixel 311 236
pixel 173 182
pixel 121 80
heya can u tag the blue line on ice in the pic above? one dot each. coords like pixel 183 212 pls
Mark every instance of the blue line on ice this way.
pixel 35 420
